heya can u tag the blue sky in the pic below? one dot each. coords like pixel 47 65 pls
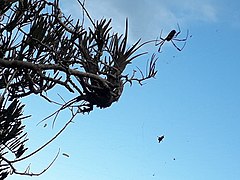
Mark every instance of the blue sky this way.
pixel 194 101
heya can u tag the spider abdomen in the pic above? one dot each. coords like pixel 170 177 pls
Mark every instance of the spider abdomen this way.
pixel 170 35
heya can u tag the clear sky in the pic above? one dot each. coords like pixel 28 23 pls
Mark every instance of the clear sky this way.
pixel 194 101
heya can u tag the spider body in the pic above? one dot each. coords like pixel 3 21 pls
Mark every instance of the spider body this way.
pixel 160 138
pixel 172 37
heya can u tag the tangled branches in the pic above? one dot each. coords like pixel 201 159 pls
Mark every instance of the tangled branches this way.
pixel 41 48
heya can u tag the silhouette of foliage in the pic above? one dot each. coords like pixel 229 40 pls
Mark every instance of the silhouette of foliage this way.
pixel 41 48
pixel 12 137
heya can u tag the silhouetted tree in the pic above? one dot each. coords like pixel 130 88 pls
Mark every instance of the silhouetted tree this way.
pixel 41 48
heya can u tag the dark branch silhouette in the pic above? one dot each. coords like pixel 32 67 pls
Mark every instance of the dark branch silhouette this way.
pixel 41 48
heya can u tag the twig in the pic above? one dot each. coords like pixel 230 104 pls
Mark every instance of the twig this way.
pixel 47 143
pixel 88 15
pixel 38 174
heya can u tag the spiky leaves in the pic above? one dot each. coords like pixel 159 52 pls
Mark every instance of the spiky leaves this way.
pixel 41 48
pixel 12 136
pixel 48 49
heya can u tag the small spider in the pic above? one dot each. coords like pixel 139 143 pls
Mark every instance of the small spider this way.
pixel 160 138
pixel 172 36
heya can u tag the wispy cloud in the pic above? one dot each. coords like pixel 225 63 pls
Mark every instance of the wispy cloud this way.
pixel 198 10
pixel 147 18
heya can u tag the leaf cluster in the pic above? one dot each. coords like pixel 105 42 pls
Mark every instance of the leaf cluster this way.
pixel 12 136
pixel 42 48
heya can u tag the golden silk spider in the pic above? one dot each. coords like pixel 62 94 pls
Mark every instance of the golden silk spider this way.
pixel 172 36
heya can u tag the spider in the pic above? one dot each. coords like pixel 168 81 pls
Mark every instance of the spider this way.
pixel 172 36
pixel 160 138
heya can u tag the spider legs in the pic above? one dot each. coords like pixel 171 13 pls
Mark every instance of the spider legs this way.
pixel 160 45
pixel 176 39
pixel 159 42
pixel 179 30
pixel 179 49
pixel 184 39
